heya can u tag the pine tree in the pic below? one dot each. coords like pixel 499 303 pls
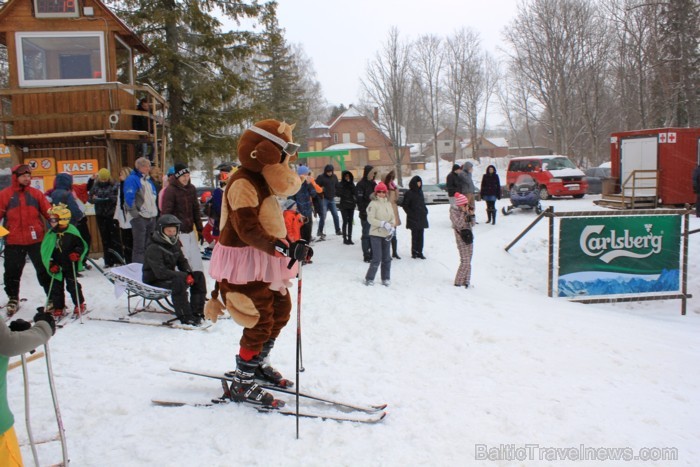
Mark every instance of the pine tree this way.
pixel 199 68
pixel 680 44
pixel 279 93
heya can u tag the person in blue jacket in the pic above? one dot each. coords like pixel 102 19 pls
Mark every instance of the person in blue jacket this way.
pixel 140 200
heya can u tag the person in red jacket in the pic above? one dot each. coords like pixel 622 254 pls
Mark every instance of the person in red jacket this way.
pixel 23 209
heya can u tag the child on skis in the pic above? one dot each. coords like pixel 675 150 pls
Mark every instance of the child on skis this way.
pixel 380 215
pixel 62 252
pixel 462 217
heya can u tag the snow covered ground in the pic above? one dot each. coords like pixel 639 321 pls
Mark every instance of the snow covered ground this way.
pixel 493 369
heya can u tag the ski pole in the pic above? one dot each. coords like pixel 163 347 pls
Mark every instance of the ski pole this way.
pixel 48 295
pixel 59 420
pixel 77 294
pixel 27 418
pixel 298 342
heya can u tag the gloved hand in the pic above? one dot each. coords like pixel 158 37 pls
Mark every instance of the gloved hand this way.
pixel 281 248
pixel 190 280
pixel 387 226
pixel 20 325
pixel 54 268
pixel 75 257
pixel 300 250
pixel 48 317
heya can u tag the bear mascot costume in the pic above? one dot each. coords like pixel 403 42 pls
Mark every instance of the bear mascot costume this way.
pixel 254 261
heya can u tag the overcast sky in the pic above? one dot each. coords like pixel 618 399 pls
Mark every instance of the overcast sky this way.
pixel 342 36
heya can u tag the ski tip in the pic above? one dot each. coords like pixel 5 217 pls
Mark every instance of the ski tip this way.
pixel 380 406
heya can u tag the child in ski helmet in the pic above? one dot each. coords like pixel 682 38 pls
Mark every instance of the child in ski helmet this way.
pixel 62 252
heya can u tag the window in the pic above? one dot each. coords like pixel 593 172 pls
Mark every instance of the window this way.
pixel 56 8
pixel 125 72
pixel 375 155
pixel 335 137
pixel 346 137
pixel 360 137
pixel 60 58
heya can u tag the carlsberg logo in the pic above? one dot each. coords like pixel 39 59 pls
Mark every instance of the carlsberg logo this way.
pixel 610 246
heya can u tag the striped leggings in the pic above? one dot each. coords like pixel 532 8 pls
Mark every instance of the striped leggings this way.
pixel 464 272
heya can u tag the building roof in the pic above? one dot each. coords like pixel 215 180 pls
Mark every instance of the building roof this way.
pixel 318 125
pixel 344 147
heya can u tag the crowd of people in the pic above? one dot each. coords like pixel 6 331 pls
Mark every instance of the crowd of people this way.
pixel 144 217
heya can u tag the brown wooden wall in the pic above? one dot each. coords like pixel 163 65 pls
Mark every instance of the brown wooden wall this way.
pixel 81 109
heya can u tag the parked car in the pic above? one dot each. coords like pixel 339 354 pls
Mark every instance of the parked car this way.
pixel 594 177
pixel 556 175
pixel 434 195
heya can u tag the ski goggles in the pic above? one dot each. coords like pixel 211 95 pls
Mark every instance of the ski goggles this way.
pixel 287 148
pixel 22 169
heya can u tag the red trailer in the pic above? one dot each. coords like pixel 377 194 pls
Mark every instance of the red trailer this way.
pixel 673 152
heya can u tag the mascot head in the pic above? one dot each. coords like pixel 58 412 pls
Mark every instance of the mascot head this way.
pixel 267 147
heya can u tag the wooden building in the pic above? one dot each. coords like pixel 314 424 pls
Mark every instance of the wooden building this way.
pixel 361 137
pixel 71 96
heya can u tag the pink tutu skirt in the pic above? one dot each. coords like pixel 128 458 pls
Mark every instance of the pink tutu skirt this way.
pixel 248 264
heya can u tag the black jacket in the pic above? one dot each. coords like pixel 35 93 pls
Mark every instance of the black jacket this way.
pixel 346 191
pixel 163 261
pixel 453 185
pixel 329 183
pixel 414 205
pixel 490 184
pixel 364 189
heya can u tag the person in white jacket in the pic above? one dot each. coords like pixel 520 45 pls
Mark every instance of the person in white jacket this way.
pixel 380 216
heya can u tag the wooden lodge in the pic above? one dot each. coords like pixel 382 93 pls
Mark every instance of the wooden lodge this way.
pixel 71 97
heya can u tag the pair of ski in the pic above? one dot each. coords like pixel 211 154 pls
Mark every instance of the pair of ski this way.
pixel 368 413
pixel 164 324
pixel 68 318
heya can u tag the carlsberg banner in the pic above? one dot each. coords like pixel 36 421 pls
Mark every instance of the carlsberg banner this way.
pixel 619 255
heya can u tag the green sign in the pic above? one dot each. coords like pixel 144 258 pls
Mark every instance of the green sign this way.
pixel 619 254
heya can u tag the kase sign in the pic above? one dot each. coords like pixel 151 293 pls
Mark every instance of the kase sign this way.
pixel 79 167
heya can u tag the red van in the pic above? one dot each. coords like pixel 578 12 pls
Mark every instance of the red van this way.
pixel 556 175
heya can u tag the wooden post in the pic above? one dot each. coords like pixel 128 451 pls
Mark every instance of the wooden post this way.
pixel 550 273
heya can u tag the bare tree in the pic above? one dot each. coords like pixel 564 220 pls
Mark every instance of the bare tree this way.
pixel 548 39
pixel 428 59
pixel 461 52
pixel 386 85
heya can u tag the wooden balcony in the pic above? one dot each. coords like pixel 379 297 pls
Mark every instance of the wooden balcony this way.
pixel 44 115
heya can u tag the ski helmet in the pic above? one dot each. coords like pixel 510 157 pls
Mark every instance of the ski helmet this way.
pixel 168 220
pixel 61 213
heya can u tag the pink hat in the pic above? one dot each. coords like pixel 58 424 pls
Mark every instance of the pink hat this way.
pixel 381 186
pixel 460 199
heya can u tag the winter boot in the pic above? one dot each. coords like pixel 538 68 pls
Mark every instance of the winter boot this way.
pixel 488 213
pixel 265 372
pixel 493 216
pixel 245 389
pixel 58 313
pixel 12 306
pixel 79 310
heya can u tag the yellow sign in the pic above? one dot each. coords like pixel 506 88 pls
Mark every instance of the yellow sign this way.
pixel 4 151
pixel 41 166
pixel 79 167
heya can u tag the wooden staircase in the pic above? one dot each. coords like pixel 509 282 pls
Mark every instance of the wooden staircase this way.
pixel 639 191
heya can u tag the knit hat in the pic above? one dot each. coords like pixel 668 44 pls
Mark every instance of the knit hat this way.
pixel 456 167
pixel 302 170
pixel 103 174
pixel 289 204
pixel 381 186
pixel 467 166
pixel 171 171
pixel 180 170
pixel 460 199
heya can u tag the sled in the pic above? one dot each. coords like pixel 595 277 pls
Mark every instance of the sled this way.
pixel 127 279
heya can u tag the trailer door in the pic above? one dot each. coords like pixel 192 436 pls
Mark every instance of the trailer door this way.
pixel 639 154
